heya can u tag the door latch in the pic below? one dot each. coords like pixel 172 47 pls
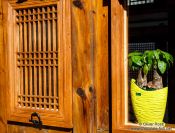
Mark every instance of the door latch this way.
pixel 37 123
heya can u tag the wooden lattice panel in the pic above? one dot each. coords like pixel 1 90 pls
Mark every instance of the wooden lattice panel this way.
pixel 37 57
pixel 40 74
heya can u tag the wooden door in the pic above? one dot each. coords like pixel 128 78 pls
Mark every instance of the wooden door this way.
pixel 119 53
pixel 89 61
pixel 36 71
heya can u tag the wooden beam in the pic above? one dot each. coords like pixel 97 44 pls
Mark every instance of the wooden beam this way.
pixel 119 63
pixel 101 65
pixel 3 71
pixel 84 93
pixel 90 66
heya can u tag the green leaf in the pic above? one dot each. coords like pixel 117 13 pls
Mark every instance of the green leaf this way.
pixel 149 66
pixel 168 57
pixel 144 58
pixel 147 51
pixel 137 60
pixel 156 54
pixel 150 62
pixel 162 66
pixel 145 69
pixel 130 62
pixel 135 53
pixel 150 55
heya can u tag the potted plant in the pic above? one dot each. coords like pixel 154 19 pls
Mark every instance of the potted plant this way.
pixel 149 98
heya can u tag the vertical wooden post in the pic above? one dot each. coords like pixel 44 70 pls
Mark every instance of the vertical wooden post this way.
pixel 90 66
pixel 101 66
pixel 84 94
pixel 118 61
pixel 3 111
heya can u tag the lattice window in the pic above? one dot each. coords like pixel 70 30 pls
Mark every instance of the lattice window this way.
pixel 37 57
pixel 40 61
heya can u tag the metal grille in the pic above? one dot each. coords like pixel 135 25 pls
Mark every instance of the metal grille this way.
pixel 37 57
pixel 139 2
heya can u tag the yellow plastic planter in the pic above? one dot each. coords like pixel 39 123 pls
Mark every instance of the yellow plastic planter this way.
pixel 149 106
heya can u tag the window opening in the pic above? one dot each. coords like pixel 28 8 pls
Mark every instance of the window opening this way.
pixel 37 57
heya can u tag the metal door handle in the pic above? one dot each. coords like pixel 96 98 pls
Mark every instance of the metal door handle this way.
pixel 36 123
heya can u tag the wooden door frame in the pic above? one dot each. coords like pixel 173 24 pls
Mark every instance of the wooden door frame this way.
pixel 119 64
pixel 119 71
pixel 66 122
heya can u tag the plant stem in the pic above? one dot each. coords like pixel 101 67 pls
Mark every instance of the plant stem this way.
pixel 141 81
pixel 157 80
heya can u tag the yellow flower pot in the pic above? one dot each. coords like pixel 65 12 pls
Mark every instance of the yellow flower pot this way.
pixel 149 106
